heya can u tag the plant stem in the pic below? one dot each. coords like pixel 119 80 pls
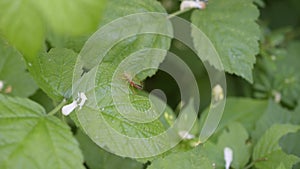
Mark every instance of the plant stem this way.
pixel 253 162
pixel 57 108
pixel 178 13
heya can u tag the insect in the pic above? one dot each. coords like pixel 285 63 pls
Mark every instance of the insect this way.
pixel 131 82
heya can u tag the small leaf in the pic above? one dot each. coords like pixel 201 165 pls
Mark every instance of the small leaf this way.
pixel 231 28
pixel 55 72
pixel 236 138
pixel 267 151
pixel 31 139
pixel 13 75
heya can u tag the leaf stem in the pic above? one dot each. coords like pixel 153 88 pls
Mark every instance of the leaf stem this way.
pixel 57 108
pixel 179 13
pixel 255 161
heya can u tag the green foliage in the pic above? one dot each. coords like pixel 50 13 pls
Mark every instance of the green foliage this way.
pixel 278 73
pixel 268 152
pixel 31 139
pixel 54 72
pixel 231 28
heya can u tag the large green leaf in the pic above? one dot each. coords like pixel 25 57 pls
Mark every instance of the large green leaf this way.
pixel 193 159
pixel 17 81
pixel 123 47
pixel 54 72
pixel 267 151
pixel 24 23
pixel 31 139
pixel 97 158
pixel 231 27
pixel 236 138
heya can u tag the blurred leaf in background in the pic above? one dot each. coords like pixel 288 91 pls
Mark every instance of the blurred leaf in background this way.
pixel 14 76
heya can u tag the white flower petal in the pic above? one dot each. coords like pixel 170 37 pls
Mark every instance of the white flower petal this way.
pixel 218 93
pixel 83 99
pixel 1 85
pixel 228 156
pixel 192 4
pixel 67 109
pixel 277 97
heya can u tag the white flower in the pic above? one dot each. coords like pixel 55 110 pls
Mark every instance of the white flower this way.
pixel 83 99
pixel 67 109
pixel 277 97
pixel 228 156
pixel 1 85
pixel 186 135
pixel 218 93
pixel 192 4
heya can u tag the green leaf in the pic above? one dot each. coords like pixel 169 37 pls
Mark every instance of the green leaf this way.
pixel 267 151
pixel 281 166
pixel 214 153
pixel 64 41
pixel 275 114
pixel 127 8
pixel 236 138
pixel 102 74
pixel 242 110
pixel 24 23
pixel 55 72
pixel 31 139
pixel 17 81
pixel 260 3
pixel 290 145
pixel 230 26
pixel 193 159
pixel 109 14
pixel 97 158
